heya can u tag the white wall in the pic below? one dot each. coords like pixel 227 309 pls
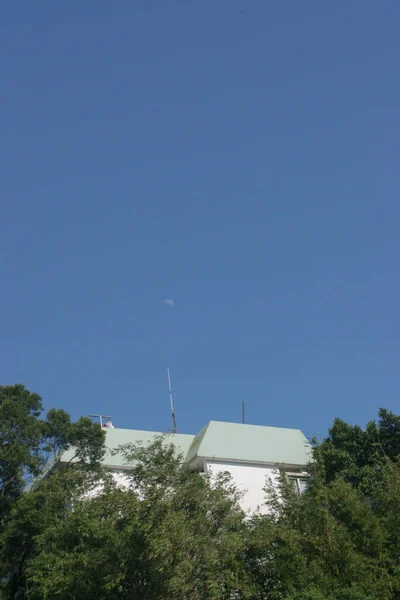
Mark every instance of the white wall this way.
pixel 120 479
pixel 250 479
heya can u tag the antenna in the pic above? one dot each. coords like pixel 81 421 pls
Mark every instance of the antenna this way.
pixel 101 417
pixel 243 421
pixel 170 400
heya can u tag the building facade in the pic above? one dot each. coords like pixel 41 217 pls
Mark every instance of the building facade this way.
pixel 249 453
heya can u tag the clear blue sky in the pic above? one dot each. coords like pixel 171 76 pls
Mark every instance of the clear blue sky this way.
pixel 240 157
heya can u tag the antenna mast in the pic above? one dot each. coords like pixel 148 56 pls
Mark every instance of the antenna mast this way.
pixel 170 400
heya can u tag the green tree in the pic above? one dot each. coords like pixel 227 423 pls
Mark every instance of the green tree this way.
pixel 175 533
pixel 21 442
pixel 172 534
pixel 340 540
pixel 29 447
pixel 351 452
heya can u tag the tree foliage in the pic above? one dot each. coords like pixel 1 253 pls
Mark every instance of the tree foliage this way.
pixel 354 452
pixel 30 447
pixel 340 541
pixel 21 438
pixel 170 535
pixel 175 533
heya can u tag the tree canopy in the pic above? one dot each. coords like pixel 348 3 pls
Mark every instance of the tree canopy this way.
pixel 176 533
pixel 30 447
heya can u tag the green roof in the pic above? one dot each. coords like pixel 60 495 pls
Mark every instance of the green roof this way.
pixel 220 441
pixel 250 443
pixel 117 437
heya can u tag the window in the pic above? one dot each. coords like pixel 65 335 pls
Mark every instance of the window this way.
pixel 300 484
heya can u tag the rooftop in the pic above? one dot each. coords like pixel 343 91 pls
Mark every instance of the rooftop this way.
pixel 230 442
pixel 251 444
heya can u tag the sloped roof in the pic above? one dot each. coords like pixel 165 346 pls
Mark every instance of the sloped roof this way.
pixel 118 437
pixel 250 443
pixel 220 441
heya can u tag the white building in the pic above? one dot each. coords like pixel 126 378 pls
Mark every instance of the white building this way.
pixel 250 453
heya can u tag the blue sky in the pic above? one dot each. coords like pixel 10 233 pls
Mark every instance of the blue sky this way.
pixel 238 157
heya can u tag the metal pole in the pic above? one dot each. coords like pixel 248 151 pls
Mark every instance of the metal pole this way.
pixel 243 420
pixel 170 400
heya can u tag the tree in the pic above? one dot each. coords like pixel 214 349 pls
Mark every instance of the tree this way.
pixel 31 447
pixel 175 533
pixel 351 451
pixel 340 540
pixel 172 534
pixel 21 441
